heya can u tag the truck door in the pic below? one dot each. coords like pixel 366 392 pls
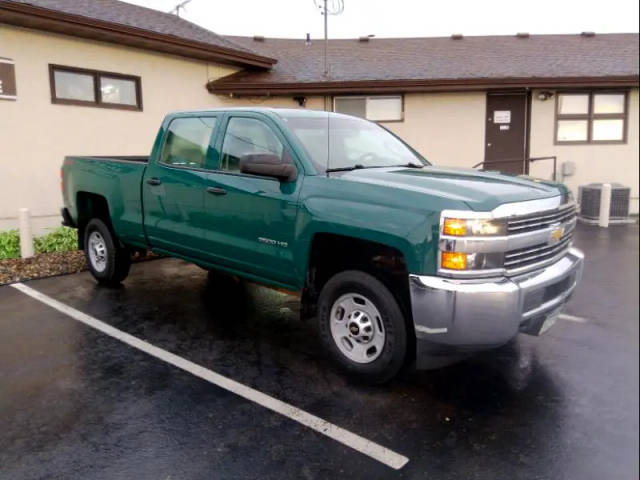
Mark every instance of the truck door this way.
pixel 173 187
pixel 251 220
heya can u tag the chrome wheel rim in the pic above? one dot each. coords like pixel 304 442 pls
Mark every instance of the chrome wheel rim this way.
pixel 97 251
pixel 357 328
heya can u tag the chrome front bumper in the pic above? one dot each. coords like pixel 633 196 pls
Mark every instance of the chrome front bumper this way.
pixel 488 312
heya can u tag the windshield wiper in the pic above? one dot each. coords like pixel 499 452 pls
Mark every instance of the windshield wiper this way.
pixel 410 165
pixel 357 166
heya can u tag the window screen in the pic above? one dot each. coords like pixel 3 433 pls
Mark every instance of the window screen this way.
pixel 74 86
pixel 377 109
pixel 119 91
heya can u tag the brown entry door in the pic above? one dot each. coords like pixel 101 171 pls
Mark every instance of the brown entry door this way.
pixel 505 144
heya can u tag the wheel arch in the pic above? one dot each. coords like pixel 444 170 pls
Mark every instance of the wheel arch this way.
pixel 91 205
pixel 331 253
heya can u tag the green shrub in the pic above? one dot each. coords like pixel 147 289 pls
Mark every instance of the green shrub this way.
pixel 9 244
pixel 62 239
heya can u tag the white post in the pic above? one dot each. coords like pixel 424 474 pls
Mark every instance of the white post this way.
pixel 605 205
pixel 26 239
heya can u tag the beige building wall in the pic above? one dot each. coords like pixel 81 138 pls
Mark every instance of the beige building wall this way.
pixel 594 163
pixel 35 134
pixel 446 128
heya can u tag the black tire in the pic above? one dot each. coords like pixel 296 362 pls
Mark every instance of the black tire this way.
pixel 392 357
pixel 117 259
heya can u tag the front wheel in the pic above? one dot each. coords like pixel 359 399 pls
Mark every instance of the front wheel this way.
pixel 107 261
pixel 362 326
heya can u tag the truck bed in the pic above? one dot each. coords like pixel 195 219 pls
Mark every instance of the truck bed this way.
pixel 118 181
pixel 119 158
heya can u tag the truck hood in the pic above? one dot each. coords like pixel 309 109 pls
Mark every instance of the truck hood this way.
pixel 481 191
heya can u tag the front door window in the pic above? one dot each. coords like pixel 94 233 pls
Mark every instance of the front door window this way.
pixel 246 136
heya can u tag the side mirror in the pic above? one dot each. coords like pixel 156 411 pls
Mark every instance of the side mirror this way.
pixel 269 165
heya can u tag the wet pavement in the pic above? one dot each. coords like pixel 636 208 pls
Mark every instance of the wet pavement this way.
pixel 77 404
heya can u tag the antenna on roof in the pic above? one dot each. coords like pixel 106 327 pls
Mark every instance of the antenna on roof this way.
pixel 179 6
pixel 328 7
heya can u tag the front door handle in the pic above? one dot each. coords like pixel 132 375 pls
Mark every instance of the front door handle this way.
pixel 154 181
pixel 216 191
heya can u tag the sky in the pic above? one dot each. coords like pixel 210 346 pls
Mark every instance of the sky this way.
pixel 407 18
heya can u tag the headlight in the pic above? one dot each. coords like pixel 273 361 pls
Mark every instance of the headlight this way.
pixel 471 261
pixel 459 227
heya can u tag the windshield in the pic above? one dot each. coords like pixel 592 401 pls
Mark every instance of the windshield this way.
pixel 350 142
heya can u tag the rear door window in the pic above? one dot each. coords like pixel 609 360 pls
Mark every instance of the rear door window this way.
pixel 188 142
pixel 245 136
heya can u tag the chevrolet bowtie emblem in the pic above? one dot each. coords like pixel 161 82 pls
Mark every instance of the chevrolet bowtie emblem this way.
pixel 556 233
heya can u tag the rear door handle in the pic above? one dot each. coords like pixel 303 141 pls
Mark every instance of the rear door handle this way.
pixel 216 191
pixel 154 181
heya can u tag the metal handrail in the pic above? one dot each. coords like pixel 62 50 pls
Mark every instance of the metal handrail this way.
pixel 529 160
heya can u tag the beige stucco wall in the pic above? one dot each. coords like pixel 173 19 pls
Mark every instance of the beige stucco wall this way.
pixel 447 128
pixel 594 163
pixel 312 103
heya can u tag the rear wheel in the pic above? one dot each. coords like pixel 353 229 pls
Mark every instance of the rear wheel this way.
pixel 108 262
pixel 362 326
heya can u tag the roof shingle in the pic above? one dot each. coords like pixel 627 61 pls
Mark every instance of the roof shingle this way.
pixel 470 59
pixel 124 13
pixel 118 13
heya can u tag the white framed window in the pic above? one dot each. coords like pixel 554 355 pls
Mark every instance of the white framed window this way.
pixel 379 108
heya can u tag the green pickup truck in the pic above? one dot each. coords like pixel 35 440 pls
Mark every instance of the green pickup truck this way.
pixel 400 262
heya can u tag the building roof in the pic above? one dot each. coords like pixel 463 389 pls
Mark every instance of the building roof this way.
pixel 423 64
pixel 124 23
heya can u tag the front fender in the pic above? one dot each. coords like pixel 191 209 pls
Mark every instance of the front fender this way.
pixel 409 232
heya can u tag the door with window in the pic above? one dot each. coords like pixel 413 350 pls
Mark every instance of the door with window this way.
pixel 251 220
pixel 506 132
pixel 174 186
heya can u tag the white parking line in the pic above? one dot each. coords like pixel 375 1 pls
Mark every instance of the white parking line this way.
pixel 350 439
pixel 572 318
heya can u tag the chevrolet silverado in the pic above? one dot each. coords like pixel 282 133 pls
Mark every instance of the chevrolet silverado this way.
pixel 398 261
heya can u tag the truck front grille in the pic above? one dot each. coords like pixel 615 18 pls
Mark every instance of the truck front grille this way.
pixel 531 241
pixel 540 220
pixel 523 257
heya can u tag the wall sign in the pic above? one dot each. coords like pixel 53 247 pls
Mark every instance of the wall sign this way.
pixel 8 89
pixel 502 116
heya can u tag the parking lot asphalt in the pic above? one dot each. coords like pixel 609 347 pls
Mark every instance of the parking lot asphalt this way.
pixel 76 403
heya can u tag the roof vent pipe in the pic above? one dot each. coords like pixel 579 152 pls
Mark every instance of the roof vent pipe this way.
pixel 588 34
pixel 258 38
pixel 308 40
pixel 522 34
pixel 457 36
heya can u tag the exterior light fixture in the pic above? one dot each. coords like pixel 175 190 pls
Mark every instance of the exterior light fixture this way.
pixel 544 95
pixel 302 101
